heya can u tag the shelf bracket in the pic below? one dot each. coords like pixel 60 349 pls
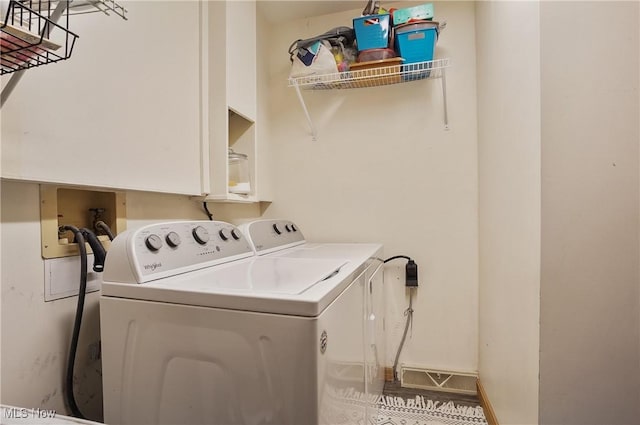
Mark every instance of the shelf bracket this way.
pixel 314 132
pixel 443 81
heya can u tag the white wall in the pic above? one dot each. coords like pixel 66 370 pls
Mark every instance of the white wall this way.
pixel 590 330
pixel 383 169
pixel 509 214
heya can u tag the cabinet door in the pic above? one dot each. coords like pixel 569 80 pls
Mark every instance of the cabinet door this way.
pixel 122 112
pixel 241 58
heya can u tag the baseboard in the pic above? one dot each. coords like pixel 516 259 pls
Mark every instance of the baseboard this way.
pixel 438 380
pixel 489 414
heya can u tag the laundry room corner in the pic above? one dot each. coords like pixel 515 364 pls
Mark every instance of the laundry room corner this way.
pixel 394 175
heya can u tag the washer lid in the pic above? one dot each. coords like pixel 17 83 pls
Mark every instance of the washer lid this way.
pixel 288 276
pixel 281 285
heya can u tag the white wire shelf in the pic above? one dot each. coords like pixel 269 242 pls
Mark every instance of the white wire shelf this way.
pixel 78 7
pixel 372 77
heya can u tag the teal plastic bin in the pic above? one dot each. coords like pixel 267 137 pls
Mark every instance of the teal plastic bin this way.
pixel 421 11
pixel 372 31
pixel 416 42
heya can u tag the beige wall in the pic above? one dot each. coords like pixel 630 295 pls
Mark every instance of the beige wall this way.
pixel 509 191
pixel 590 330
pixel 384 169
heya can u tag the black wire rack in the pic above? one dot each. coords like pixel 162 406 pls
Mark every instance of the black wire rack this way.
pixel 33 33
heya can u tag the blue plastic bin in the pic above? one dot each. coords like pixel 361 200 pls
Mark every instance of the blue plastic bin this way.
pixel 416 43
pixel 372 31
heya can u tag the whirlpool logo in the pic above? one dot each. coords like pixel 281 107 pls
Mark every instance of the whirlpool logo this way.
pixel 153 266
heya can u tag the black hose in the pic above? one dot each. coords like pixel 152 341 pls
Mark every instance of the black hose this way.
pixel 103 226
pixel 73 348
pixel 99 253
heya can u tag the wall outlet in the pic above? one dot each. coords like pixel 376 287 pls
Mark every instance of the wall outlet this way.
pixel 62 277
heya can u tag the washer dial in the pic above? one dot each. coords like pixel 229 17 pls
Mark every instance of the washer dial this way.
pixel 173 239
pixel 153 242
pixel 200 234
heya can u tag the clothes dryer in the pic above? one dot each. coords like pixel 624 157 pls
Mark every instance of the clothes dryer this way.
pixel 279 238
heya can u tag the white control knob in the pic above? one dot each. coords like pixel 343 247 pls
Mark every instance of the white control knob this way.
pixel 223 235
pixel 173 239
pixel 235 235
pixel 200 234
pixel 153 242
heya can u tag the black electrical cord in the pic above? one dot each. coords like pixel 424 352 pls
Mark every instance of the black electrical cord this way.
pixel 73 348
pixel 411 280
pixel 395 257
pixel 409 313
pixel 103 226
pixel 206 209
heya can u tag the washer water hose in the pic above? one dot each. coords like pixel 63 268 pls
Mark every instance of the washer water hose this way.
pixel 101 225
pixel 73 348
pixel 99 255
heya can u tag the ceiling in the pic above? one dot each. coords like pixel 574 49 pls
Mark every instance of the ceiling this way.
pixel 280 11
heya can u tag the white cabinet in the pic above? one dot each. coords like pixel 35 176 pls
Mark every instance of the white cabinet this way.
pixel 241 57
pixel 123 112
pixel 232 94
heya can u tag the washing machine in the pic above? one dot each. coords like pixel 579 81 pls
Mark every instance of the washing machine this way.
pixel 198 329
pixel 284 239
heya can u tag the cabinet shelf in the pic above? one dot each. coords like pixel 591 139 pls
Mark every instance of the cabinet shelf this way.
pixel 372 77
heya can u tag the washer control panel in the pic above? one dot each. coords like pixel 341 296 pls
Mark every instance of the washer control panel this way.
pixel 267 236
pixel 166 249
